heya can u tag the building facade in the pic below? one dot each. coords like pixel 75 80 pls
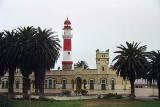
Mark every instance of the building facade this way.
pixel 101 80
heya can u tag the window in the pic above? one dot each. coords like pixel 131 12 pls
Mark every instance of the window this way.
pixel 17 84
pixel 84 82
pixel 6 85
pixel 112 84
pixel 45 84
pixel 72 82
pixel 103 84
pixel 54 83
pixel 103 55
pixel 33 83
pixel 91 84
pixel 50 83
pixel 3 84
pixel 29 84
pixel 102 68
pixel 64 84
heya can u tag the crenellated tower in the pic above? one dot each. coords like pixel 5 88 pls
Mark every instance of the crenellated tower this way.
pixel 102 60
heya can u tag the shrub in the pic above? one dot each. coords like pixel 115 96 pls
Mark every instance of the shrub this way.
pixel 84 92
pixel 66 92
pixel 112 95
pixel 118 97
pixel 81 91
pixel 77 91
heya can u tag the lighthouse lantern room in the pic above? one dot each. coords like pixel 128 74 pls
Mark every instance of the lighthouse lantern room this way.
pixel 67 46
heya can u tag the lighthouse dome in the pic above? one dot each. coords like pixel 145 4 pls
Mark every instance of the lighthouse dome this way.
pixel 67 24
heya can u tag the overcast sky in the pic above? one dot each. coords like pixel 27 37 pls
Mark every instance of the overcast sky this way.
pixel 97 24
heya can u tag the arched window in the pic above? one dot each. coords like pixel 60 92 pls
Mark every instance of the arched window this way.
pixel 6 85
pixel 64 81
pixel 102 68
pixel 84 84
pixel 91 84
pixel 78 83
pixel 33 83
pixel 50 83
pixel 17 84
pixel 54 83
pixel 3 84
pixel 103 84
pixel 112 84
pixel 45 83
pixel 72 82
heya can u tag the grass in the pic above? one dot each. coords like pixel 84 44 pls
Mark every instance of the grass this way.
pixel 48 104
pixel 87 103
pixel 134 104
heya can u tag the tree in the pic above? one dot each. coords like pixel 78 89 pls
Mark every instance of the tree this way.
pixel 44 54
pixel 39 52
pixel 10 54
pixel 130 62
pixel 82 64
pixel 2 46
pixel 30 50
pixel 154 73
pixel 26 37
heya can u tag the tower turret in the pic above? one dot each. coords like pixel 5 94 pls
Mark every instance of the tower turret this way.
pixel 102 60
pixel 67 46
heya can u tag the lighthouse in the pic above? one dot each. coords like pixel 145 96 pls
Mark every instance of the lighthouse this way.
pixel 67 46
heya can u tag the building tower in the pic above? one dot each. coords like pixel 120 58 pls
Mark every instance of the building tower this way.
pixel 67 46
pixel 102 60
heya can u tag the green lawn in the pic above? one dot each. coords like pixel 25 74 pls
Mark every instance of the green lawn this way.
pixel 49 104
pixel 87 103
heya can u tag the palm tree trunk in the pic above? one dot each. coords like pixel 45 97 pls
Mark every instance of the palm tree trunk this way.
pixel 11 83
pixel 25 85
pixel 39 82
pixel 158 82
pixel 36 82
pixel 41 85
pixel 132 96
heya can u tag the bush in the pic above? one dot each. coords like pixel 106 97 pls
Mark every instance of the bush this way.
pixel 113 96
pixel 77 91
pixel 118 97
pixel 81 91
pixel 66 92
pixel 84 92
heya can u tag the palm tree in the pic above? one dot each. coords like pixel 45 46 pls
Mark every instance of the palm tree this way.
pixel 2 47
pixel 82 64
pixel 154 73
pixel 10 56
pixel 30 50
pixel 44 53
pixel 26 35
pixel 130 62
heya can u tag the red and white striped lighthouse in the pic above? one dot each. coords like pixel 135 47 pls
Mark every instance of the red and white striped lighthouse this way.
pixel 67 46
